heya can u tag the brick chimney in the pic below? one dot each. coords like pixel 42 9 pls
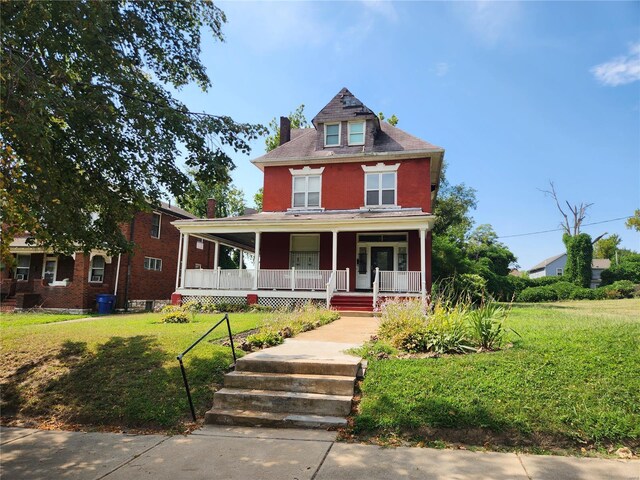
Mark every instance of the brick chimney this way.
pixel 285 130
pixel 211 208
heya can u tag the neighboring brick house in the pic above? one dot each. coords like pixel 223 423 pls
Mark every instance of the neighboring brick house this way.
pixel 347 216
pixel 142 280
pixel 554 266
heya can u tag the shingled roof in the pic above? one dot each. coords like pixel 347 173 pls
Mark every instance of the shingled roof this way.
pixel 344 106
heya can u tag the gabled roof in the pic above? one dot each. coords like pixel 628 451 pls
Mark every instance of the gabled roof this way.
pixel 597 263
pixel 600 263
pixel 546 262
pixel 177 211
pixel 302 146
pixel 344 106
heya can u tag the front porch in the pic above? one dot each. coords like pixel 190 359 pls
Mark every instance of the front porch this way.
pixel 315 257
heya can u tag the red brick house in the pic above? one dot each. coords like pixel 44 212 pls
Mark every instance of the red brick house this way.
pixel 347 217
pixel 143 280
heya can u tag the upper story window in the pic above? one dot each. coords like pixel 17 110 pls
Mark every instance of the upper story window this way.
pixel 155 224
pixel 356 133
pixel 331 134
pixel 381 185
pixel 307 185
pixel 96 273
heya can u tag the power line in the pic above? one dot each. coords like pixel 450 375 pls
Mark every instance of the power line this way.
pixel 561 229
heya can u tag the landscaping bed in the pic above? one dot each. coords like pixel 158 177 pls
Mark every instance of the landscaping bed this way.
pixel 568 381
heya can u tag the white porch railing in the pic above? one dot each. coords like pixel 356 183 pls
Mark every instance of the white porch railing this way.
pixel 291 279
pixel 376 288
pixel 400 282
pixel 331 288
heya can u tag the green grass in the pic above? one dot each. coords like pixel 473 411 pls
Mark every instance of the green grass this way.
pixel 21 319
pixel 571 379
pixel 111 372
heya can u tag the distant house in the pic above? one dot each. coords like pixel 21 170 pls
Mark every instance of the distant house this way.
pixel 141 281
pixel 554 266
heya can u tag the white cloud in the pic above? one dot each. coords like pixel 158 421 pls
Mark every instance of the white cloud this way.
pixel 441 69
pixel 620 70
pixel 489 21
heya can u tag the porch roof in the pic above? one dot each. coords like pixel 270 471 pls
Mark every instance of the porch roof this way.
pixel 320 221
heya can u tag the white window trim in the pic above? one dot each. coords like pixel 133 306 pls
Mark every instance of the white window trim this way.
pixel 159 224
pixel 153 269
pixel 339 134
pixel 559 272
pixel 28 268
pixel 364 132
pixel 380 167
pixel 91 269
pixel 315 172
pixel 395 190
pixel 44 264
pixel 199 244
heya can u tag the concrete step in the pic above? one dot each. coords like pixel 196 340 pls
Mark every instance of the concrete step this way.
pixel 300 366
pixel 269 419
pixel 291 382
pixel 275 401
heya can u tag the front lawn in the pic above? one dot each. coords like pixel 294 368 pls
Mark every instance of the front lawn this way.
pixel 571 380
pixel 117 372
pixel 16 319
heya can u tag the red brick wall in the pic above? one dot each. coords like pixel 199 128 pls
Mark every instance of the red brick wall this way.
pixel 343 185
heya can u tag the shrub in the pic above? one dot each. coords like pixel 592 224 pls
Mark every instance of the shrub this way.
pixel 446 329
pixel 563 289
pixel 581 293
pixel 619 289
pixel 400 317
pixel 486 326
pixel 265 339
pixel 627 269
pixel 175 316
pixel 538 294
pixel 544 281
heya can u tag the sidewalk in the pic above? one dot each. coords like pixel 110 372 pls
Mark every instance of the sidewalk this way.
pixel 218 452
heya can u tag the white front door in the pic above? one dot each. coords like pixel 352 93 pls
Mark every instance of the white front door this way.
pixel 363 272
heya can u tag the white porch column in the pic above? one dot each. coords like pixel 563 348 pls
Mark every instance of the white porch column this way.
pixel 179 265
pixel 423 260
pixel 334 252
pixel 240 257
pixel 256 261
pixel 216 255
pixel 185 254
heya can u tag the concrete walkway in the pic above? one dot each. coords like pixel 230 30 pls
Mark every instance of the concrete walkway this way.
pixel 218 452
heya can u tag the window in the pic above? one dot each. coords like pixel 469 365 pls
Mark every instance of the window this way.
pixel 155 225
pixel 306 191
pixel 50 269
pixel 380 189
pixel 198 266
pixel 151 263
pixel 356 133
pixel 331 134
pixel 559 272
pixel 23 262
pixel 305 252
pixel 200 244
pixel 96 272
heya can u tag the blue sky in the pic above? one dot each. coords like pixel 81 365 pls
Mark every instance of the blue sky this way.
pixel 517 93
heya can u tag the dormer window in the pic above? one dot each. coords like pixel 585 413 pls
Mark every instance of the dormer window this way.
pixel 331 134
pixel 356 133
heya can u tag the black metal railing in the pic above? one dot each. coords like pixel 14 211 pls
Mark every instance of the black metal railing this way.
pixel 179 357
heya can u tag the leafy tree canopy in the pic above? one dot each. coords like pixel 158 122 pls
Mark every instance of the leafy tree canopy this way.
pixel 89 131
pixel 257 199
pixel 297 119
pixel 634 221
pixel 607 247
pixel 392 120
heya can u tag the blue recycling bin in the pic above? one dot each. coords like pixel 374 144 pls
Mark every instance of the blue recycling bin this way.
pixel 106 303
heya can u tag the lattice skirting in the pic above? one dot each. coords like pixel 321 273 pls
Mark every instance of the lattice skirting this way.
pixel 289 303
pixel 208 299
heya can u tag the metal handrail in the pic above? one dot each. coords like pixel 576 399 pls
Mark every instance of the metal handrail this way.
pixel 179 357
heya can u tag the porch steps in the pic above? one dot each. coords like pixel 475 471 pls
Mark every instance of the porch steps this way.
pixel 8 305
pixel 352 303
pixel 298 384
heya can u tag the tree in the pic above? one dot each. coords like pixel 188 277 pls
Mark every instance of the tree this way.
pixel 257 199
pixel 392 120
pixel 607 247
pixel 87 136
pixel 579 258
pixel 634 221
pixel 578 212
pixel 297 119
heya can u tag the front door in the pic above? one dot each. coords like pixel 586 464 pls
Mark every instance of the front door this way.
pixel 382 258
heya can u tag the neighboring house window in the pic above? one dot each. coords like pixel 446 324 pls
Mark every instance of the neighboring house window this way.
pixel 151 263
pixel 559 272
pixel 380 189
pixel 155 225
pixel 306 191
pixel 200 245
pixel 356 133
pixel 305 252
pixel 97 269
pixel 331 134
pixel 50 269
pixel 23 262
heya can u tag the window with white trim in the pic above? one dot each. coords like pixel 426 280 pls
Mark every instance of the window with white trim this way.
pixel 50 269
pixel 23 263
pixel 331 134
pixel 96 272
pixel 380 189
pixel 559 272
pixel 306 191
pixel 154 264
pixel 155 224
pixel 356 133
pixel 200 244
pixel 305 252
